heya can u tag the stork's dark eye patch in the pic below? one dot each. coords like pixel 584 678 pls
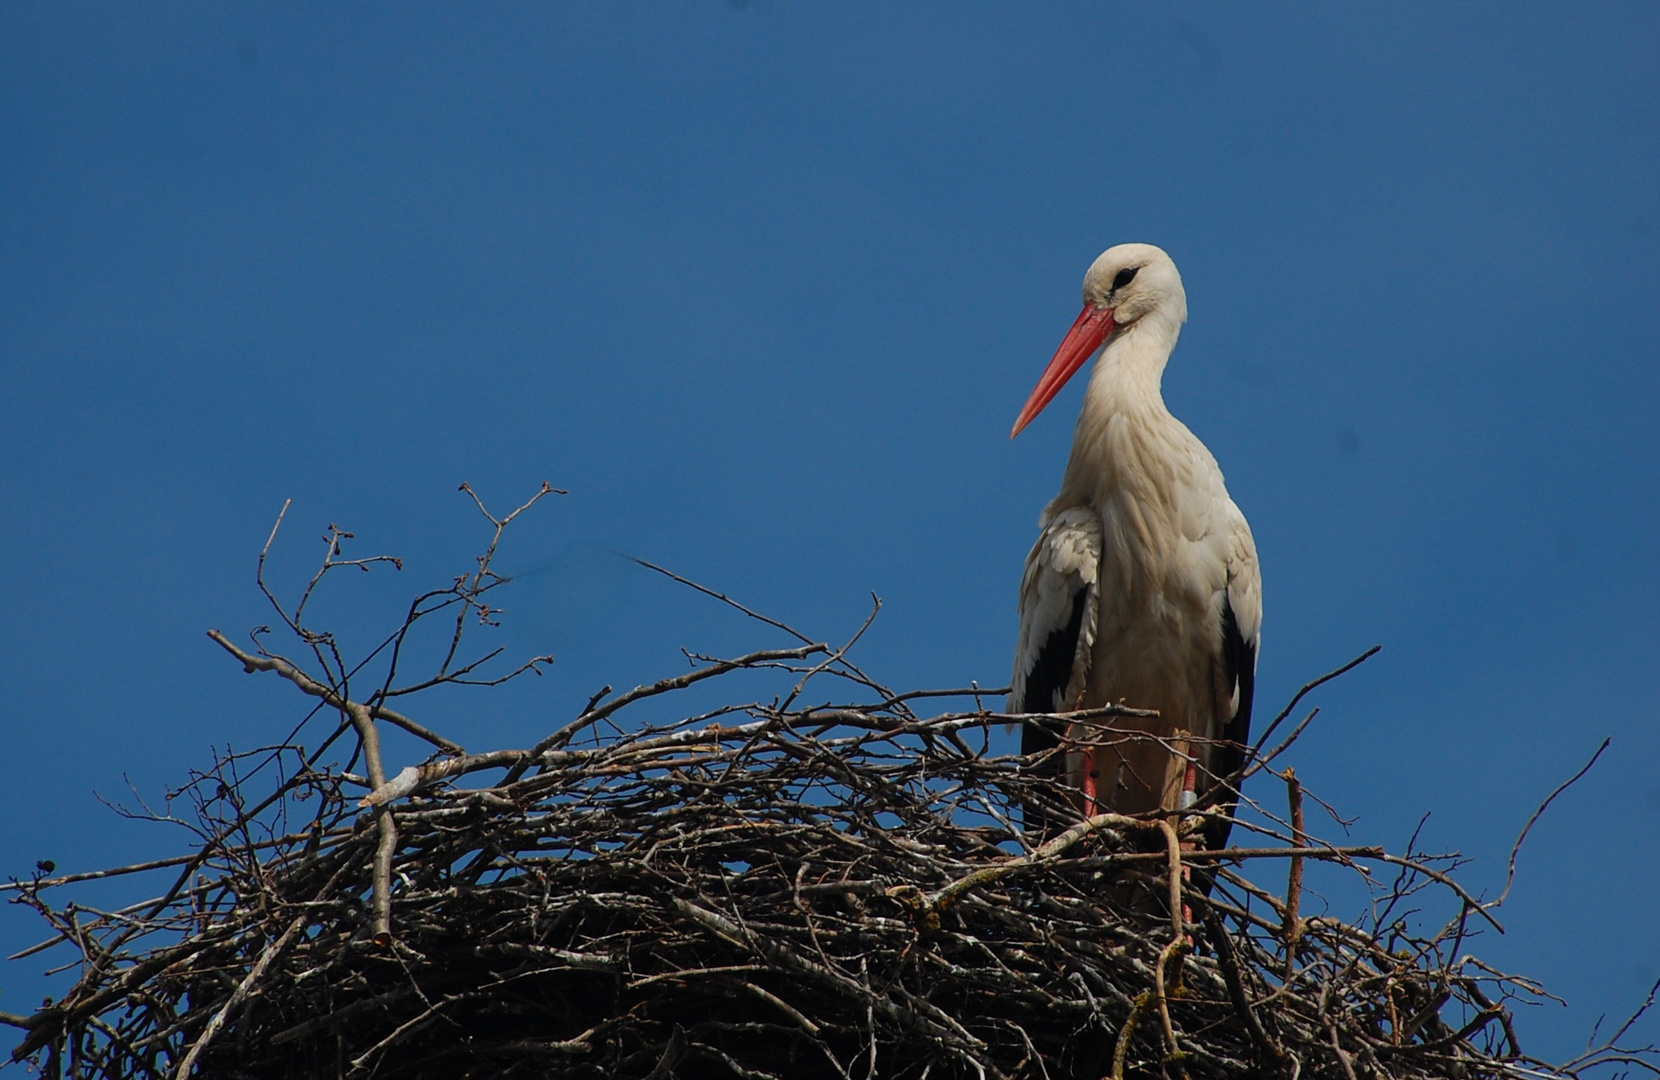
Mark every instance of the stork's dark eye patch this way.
pixel 1124 277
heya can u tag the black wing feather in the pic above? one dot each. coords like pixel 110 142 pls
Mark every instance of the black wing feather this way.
pixel 1045 684
pixel 1240 657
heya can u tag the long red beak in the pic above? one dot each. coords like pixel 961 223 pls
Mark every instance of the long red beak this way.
pixel 1086 335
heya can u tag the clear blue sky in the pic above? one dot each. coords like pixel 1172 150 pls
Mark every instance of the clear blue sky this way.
pixel 764 285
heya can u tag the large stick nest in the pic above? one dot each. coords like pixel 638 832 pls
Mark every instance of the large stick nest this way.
pixel 767 890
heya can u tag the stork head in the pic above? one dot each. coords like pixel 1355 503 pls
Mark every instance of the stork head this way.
pixel 1128 285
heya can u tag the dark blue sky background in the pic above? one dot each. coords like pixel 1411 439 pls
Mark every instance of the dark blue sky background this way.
pixel 764 285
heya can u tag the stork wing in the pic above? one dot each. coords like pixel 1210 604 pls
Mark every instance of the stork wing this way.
pixel 1058 603
pixel 1241 633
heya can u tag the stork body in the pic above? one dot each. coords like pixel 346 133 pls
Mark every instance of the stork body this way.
pixel 1143 587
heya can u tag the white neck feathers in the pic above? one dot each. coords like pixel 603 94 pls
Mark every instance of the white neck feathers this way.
pixel 1124 386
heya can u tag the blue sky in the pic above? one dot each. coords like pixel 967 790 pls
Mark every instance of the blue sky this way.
pixel 764 285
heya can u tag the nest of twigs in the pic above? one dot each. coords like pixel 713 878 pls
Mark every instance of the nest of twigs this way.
pixel 768 890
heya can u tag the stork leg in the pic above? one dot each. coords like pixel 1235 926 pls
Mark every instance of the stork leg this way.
pixel 1189 796
pixel 1091 784
pixel 1190 784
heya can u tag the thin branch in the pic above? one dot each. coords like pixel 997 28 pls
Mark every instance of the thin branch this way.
pixel 311 686
pixel 1256 748
pixel 1515 849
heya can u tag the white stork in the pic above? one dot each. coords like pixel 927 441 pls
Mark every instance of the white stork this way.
pixel 1143 587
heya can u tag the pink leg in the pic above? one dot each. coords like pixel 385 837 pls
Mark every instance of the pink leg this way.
pixel 1092 804
pixel 1190 784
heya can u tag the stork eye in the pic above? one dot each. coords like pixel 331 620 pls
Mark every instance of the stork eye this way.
pixel 1124 277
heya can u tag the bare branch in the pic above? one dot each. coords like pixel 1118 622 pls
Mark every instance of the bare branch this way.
pixel 1516 848
pixel 1306 690
pixel 295 675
